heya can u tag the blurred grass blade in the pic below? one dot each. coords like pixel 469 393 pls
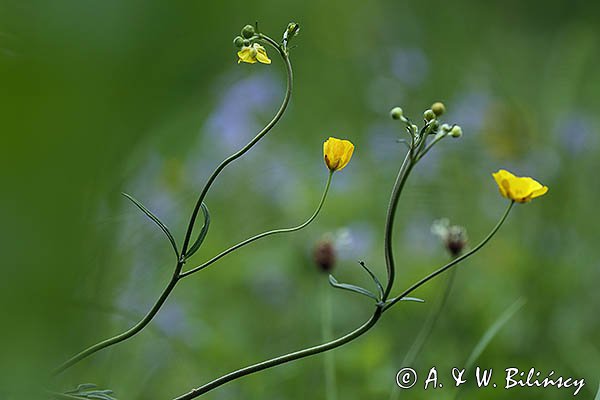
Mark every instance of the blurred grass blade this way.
pixel 493 330
pixel 598 393
pixel 155 219
pixel 86 391
pixel 203 232
pixel 352 288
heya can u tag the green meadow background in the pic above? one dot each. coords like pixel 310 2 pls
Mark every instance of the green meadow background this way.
pixel 146 97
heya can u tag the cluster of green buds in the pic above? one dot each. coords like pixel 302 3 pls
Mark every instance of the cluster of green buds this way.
pixel 418 144
pixel 251 51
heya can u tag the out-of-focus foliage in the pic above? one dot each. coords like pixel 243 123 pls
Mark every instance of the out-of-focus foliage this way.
pixel 147 97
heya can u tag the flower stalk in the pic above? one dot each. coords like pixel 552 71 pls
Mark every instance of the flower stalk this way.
pixel 380 308
pixel 418 147
pixel 185 252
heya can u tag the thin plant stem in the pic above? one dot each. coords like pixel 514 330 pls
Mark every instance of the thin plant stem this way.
pixel 242 151
pixel 403 173
pixel 128 333
pixel 178 267
pixel 457 260
pixel 426 330
pixel 430 323
pixel 192 394
pixel 327 334
pixel 380 308
pixel 264 234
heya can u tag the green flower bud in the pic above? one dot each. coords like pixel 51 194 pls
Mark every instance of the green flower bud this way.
pixel 292 30
pixel 246 42
pixel 445 128
pixel 238 41
pixel 456 132
pixel 248 31
pixel 429 115
pixel 438 108
pixel 396 113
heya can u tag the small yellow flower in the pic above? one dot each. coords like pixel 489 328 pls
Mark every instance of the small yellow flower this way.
pixel 337 153
pixel 519 189
pixel 253 53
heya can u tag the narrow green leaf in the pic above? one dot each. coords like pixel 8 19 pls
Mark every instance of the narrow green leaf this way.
pixel 351 288
pixel 415 299
pixel 203 231
pixel 82 387
pixel 157 221
pixel 372 275
pixel 598 393
pixel 85 391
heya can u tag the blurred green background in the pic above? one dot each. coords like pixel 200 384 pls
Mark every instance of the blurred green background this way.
pixel 99 97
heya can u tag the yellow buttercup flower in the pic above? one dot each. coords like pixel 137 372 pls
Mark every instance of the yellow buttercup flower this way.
pixel 253 53
pixel 337 153
pixel 519 189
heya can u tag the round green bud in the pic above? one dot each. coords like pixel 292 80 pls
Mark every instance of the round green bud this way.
pixel 246 42
pixel 429 115
pixel 456 132
pixel 248 31
pixel 396 113
pixel 435 126
pixel 238 41
pixel 438 108
pixel 445 127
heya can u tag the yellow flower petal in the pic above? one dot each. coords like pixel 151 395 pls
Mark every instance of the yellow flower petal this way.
pixel 519 189
pixel 252 54
pixel 247 54
pixel 337 153
pixel 261 54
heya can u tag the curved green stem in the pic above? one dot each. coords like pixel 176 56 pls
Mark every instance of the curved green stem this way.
pixel 430 145
pixel 128 333
pixel 405 169
pixel 177 271
pixel 262 235
pixel 342 340
pixel 453 262
pixel 284 359
pixel 242 151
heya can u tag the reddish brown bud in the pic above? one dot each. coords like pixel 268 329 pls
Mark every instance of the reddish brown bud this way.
pixel 324 255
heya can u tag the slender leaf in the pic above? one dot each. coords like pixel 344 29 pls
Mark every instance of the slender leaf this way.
pixel 493 330
pixel 415 299
pixel 86 391
pixel 597 394
pixel 203 231
pixel 372 275
pixel 82 387
pixel 351 288
pixel 157 221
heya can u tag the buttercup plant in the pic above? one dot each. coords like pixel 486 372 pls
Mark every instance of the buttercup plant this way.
pixel 337 154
